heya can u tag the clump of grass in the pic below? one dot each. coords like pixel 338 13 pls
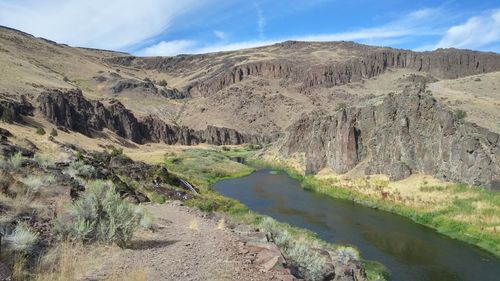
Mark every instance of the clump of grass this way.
pixel 35 183
pixel 100 215
pixel 146 218
pixel 346 254
pixel 44 160
pixel 301 253
pixel 80 169
pixel 21 240
pixel 307 260
pixel 432 188
pixel 13 163
pixel 116 151
pixel 68 261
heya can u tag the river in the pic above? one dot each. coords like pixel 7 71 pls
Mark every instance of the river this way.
pixel 409 250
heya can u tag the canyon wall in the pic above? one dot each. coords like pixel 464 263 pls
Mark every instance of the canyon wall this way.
pixel 401 135
pixel 73 111
pixel 369 62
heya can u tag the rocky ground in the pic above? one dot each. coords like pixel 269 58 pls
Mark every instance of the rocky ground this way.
pixel 190 245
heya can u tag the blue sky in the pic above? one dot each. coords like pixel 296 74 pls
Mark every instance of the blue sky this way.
pixel 170 27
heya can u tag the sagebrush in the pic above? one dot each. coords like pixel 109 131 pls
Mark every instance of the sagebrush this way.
pixel 100 215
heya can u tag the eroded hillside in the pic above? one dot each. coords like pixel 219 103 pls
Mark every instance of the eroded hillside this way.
pixel 257 95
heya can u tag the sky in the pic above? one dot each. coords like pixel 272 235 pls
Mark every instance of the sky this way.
pixel 172 27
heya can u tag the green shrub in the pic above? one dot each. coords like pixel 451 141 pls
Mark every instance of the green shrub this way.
pixel 346 254
pixel 116 151
pixel 147 220
pixel 460 114
pixel 40 131
pixel 13 163
pixel 80 169
pixel 302 253
pixel 53 132
pixel 65 79
pixel 307 260
pixel 21 240
pixel 100 215
pixel 163 83
pixel 34 183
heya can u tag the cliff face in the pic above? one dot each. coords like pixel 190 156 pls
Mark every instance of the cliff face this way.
pixel 446 64
pixel 11 110
pixel 405 134
pixel 71 110
pixel 270 69
pixel 362 62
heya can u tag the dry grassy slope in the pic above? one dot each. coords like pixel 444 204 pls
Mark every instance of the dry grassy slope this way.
pixel 29 64
pixel 478 95
pixel 255 104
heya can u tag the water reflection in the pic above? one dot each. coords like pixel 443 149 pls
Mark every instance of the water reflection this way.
pixel 410 251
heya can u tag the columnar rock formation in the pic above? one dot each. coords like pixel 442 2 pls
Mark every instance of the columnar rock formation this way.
pixel 365 62
pixel 72 110
pixel 12 109
pixel 404 134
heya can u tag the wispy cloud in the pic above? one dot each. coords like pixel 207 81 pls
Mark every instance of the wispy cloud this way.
pixel 476 32
pixel 261 20
pixel 169 48
pixel 409 25
pixel 220 34
pixel 112 24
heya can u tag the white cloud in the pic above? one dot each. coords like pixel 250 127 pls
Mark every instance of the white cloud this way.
pixel 234 46
pixel 111 24
pixel 220 34
pixel 476 32
pixel 169 48
pixel 411 24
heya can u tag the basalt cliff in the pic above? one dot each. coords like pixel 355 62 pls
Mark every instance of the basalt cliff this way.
pixel 399 135
pixel 73 111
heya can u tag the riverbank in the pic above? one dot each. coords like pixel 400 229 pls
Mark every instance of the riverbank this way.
pixel 205 166
pixel 470 214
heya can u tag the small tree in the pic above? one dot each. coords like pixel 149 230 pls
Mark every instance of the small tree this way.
pixel 40 131
pixel 163 83
pixel 53 132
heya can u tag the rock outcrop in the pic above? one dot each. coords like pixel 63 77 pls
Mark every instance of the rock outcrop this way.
pixel 403 134
pixel 12 109
pixel 73 111
pixel 146 86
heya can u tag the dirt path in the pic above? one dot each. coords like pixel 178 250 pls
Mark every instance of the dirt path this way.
pixel 187 246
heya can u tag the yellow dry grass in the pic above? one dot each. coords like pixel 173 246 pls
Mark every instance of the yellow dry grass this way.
pixel 478 95
pixel 73 261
